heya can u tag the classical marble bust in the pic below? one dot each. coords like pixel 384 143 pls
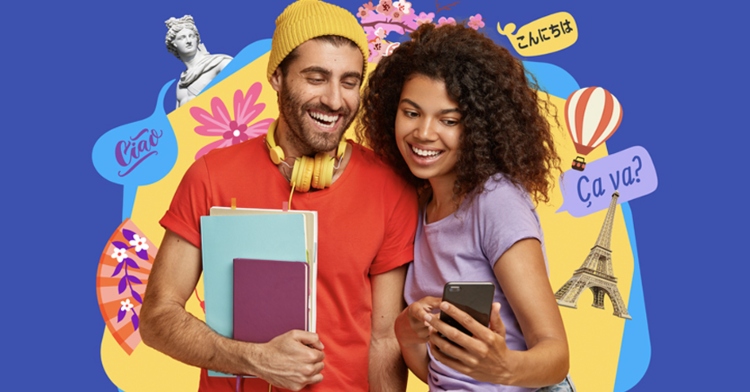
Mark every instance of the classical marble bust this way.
pixel 184 42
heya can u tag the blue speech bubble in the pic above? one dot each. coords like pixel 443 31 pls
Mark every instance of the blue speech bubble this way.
pixel 630 172
pixel 139 153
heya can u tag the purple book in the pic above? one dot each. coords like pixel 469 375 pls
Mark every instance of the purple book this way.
pixel 270 298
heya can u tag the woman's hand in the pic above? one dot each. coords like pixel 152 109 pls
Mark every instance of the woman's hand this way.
pixel 483 356
pixel 412 331
pixel 412 325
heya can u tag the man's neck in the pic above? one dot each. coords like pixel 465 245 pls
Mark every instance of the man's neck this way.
pixel 283 134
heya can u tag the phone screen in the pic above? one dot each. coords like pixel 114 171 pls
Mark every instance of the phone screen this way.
pixel 474 298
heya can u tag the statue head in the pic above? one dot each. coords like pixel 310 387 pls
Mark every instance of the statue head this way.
pixel 174 27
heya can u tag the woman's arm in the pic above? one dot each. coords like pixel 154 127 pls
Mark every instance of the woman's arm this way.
pixel 522 274
pixel 412 331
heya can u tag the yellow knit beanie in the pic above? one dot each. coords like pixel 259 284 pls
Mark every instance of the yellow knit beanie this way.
pixel 307 19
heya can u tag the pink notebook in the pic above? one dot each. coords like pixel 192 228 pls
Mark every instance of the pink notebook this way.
pixel 270 298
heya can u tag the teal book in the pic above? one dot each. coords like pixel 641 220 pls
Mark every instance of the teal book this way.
pixel 280 237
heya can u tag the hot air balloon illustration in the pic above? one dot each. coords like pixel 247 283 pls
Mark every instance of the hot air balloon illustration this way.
pixel 592 115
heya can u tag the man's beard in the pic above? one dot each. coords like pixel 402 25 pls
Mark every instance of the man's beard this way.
pixel 305 140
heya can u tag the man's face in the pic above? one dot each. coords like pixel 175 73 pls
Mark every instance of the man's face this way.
pixel 186 41
pixel 319 96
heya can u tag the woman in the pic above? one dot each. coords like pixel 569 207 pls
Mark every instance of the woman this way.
pixel 454 113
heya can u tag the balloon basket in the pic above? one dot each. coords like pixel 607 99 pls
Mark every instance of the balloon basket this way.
pixel 578 163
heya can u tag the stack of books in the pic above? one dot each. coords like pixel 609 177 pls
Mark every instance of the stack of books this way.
pixel 259 272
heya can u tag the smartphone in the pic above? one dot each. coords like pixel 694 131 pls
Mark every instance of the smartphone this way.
pixel 474 298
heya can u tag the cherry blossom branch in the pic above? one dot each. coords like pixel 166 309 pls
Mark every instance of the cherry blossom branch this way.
pixel 445 7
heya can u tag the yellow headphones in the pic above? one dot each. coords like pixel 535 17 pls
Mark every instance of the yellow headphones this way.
pixel 316 171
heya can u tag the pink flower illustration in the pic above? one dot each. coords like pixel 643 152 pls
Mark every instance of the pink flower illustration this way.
pixel 396 15
pixel 385 7
pixel 403 6
pixel 380 33
pixel 364 12
pixel 446 21
pixel 232 131
pixel 423 18
pixel 376 47
pixel 475 22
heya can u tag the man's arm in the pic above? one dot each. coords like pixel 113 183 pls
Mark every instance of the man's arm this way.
pixel 285 361
pixel 387 369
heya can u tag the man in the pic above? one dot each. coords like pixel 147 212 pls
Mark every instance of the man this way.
pixel 184 42
pixel 367 220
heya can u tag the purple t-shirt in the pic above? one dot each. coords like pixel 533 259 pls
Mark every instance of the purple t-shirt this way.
pixel 465 247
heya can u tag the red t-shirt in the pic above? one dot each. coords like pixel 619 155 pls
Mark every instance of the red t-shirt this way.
pixel 366 225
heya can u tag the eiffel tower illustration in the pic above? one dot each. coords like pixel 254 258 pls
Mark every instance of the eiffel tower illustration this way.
pixel 596 272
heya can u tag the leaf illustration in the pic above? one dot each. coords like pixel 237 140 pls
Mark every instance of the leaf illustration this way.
pixel 122 284
pixel 118 269
pixel 143 254
pixel 134 279
pixel 120 245
pixel 135 320
pixel 120 315
pixel 128 234
pixel 137 296
pixel 131 263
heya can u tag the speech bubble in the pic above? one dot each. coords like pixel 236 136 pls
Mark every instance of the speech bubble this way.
pixel 545 35
pixel 630 172
pixel 139 153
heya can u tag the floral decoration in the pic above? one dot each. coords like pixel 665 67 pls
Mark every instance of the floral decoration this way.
pixel 446 21
pixel 400 18
pixel 127 280
pixel 124 267
pixel 476 22
pixel 231 130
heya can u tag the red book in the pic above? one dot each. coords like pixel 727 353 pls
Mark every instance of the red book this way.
pixel 270 298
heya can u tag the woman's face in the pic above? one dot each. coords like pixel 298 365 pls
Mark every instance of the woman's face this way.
pixel 428 129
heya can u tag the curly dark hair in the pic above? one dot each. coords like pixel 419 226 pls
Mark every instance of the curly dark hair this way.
pixel 504 124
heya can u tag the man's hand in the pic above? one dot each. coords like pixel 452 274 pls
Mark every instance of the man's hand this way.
pixel 291 361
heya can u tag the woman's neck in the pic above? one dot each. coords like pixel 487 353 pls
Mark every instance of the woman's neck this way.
pixel 442 202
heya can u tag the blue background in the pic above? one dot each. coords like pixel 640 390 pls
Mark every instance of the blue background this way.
pixel 74 70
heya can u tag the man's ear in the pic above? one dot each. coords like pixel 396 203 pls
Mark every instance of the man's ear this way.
pixel 276 79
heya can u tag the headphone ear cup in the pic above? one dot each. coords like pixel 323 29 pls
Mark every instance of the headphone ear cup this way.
pixel 323 174
pixel 326 176
pixel 317 171
pixel 276 152
pixel 304 174
pixel 294 178
pixel 277 155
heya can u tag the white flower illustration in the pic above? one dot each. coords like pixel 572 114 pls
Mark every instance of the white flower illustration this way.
pixel 139 243
pixel 120 254
pixel 126 305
